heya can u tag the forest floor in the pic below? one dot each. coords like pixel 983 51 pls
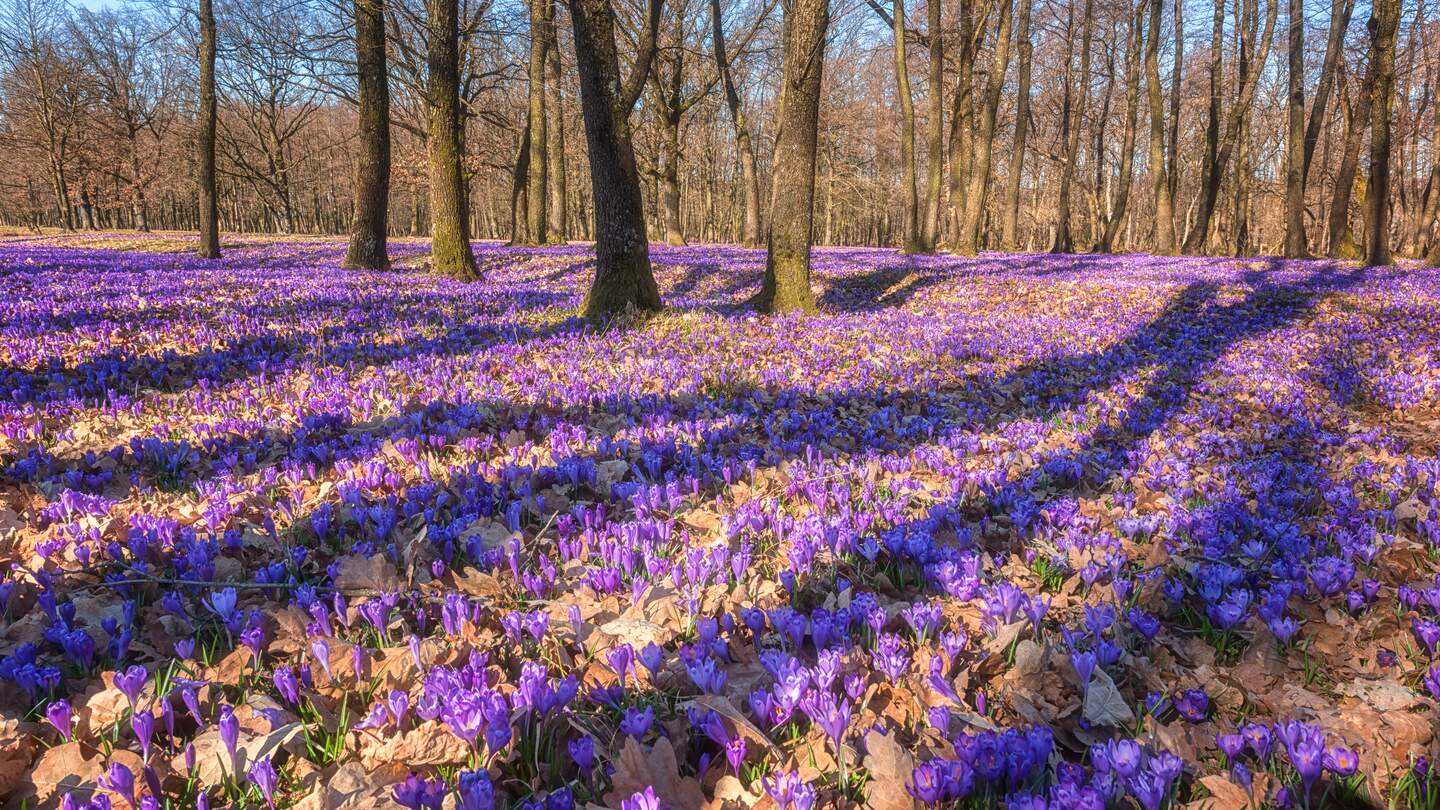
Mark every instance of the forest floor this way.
pixel 997 531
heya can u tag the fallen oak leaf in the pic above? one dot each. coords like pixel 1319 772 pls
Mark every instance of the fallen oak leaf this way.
pixel 637 769
pixel 722 706
pixel 429 743
pixel 374 573
pixel 890 769
pixel 1104 705
pixel 213 761
pixel 1224 795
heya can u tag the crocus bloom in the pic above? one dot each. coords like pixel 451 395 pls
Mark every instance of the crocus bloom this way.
pixel 420 794
pixel 475 791
pixel 642 800
pixel 229 729
pixel 120 779
pixel 130 682
pixel 262 775
pixel 59 715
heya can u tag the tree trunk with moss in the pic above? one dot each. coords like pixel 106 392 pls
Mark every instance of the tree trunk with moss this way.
pixel 557 231
pixel 749 176
pixel 786 285
pixel 537 180
pixel 1010 216
pixel 372 178
pixel 209 199
pixel 1295 247
pixel 967 242
pixel 1164 243
pixel 450 253
pixel 623 278
pixel 1383 25
pixel 1342 242
pixel 935 129
pixel 1070 126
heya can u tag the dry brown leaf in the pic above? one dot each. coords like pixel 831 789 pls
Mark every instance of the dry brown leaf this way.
pixel 352 787
pixel 637 632
pixel 18 746
pixel 374 573
pixel 637 769
pixel 430 743
pixel 479 583
pixel 1224 795
pixel 1104 705
pixel 68 768
pixel 730 794
pixel 212 761
pixel 889 767
pixel 743 726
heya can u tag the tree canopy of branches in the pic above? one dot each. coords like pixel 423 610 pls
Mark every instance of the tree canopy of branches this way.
pixel 959 125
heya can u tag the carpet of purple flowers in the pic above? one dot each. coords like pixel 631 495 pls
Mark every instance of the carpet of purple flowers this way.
pixel 1016 531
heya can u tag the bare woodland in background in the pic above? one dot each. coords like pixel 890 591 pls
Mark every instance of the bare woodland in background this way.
pixel 1232 127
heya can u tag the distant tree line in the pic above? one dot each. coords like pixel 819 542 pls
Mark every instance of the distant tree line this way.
pixel 1235 127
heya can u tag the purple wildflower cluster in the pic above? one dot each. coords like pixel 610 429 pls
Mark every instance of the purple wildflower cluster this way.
pixel 1018 531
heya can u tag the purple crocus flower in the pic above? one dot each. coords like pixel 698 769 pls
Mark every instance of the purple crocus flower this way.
pixel 262 775
pixel 621 660
pixel 642 800
pixel 927 783
pixel 475 790
pixel 130 682
pixel 229 730
pixel 120 780
pixel 143 724
pixel 420 794
pixel 1193 705
pixel 287 685
pixel 1341 761
pixel 582 752
pixel 637 722
pixel 60 716
pixel 735 753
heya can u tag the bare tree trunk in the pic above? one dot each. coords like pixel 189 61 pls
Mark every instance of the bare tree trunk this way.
pixel 749 177
pixel 962 121
pixel 913 241
pixel 1340 13
pixel 557 192
pixel 1172 166
pixel 209 202
pixel 537 179
pixel 1164 203
pixel 623 278
pixel 967 241
pixel 1383 25
pixel 670 177
pixel 1295 247
pixel 137 203
pixel 372 176
pixel 935 128
pixel 1121 199
pixel 786 285
pixel 1070 126
pixel 450 253
pixel 87 211
pixel 1010 218
pixel 1236 119
pixel 1210 170
pixel 1342 243
pixel 519 182
pixel 1246 21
